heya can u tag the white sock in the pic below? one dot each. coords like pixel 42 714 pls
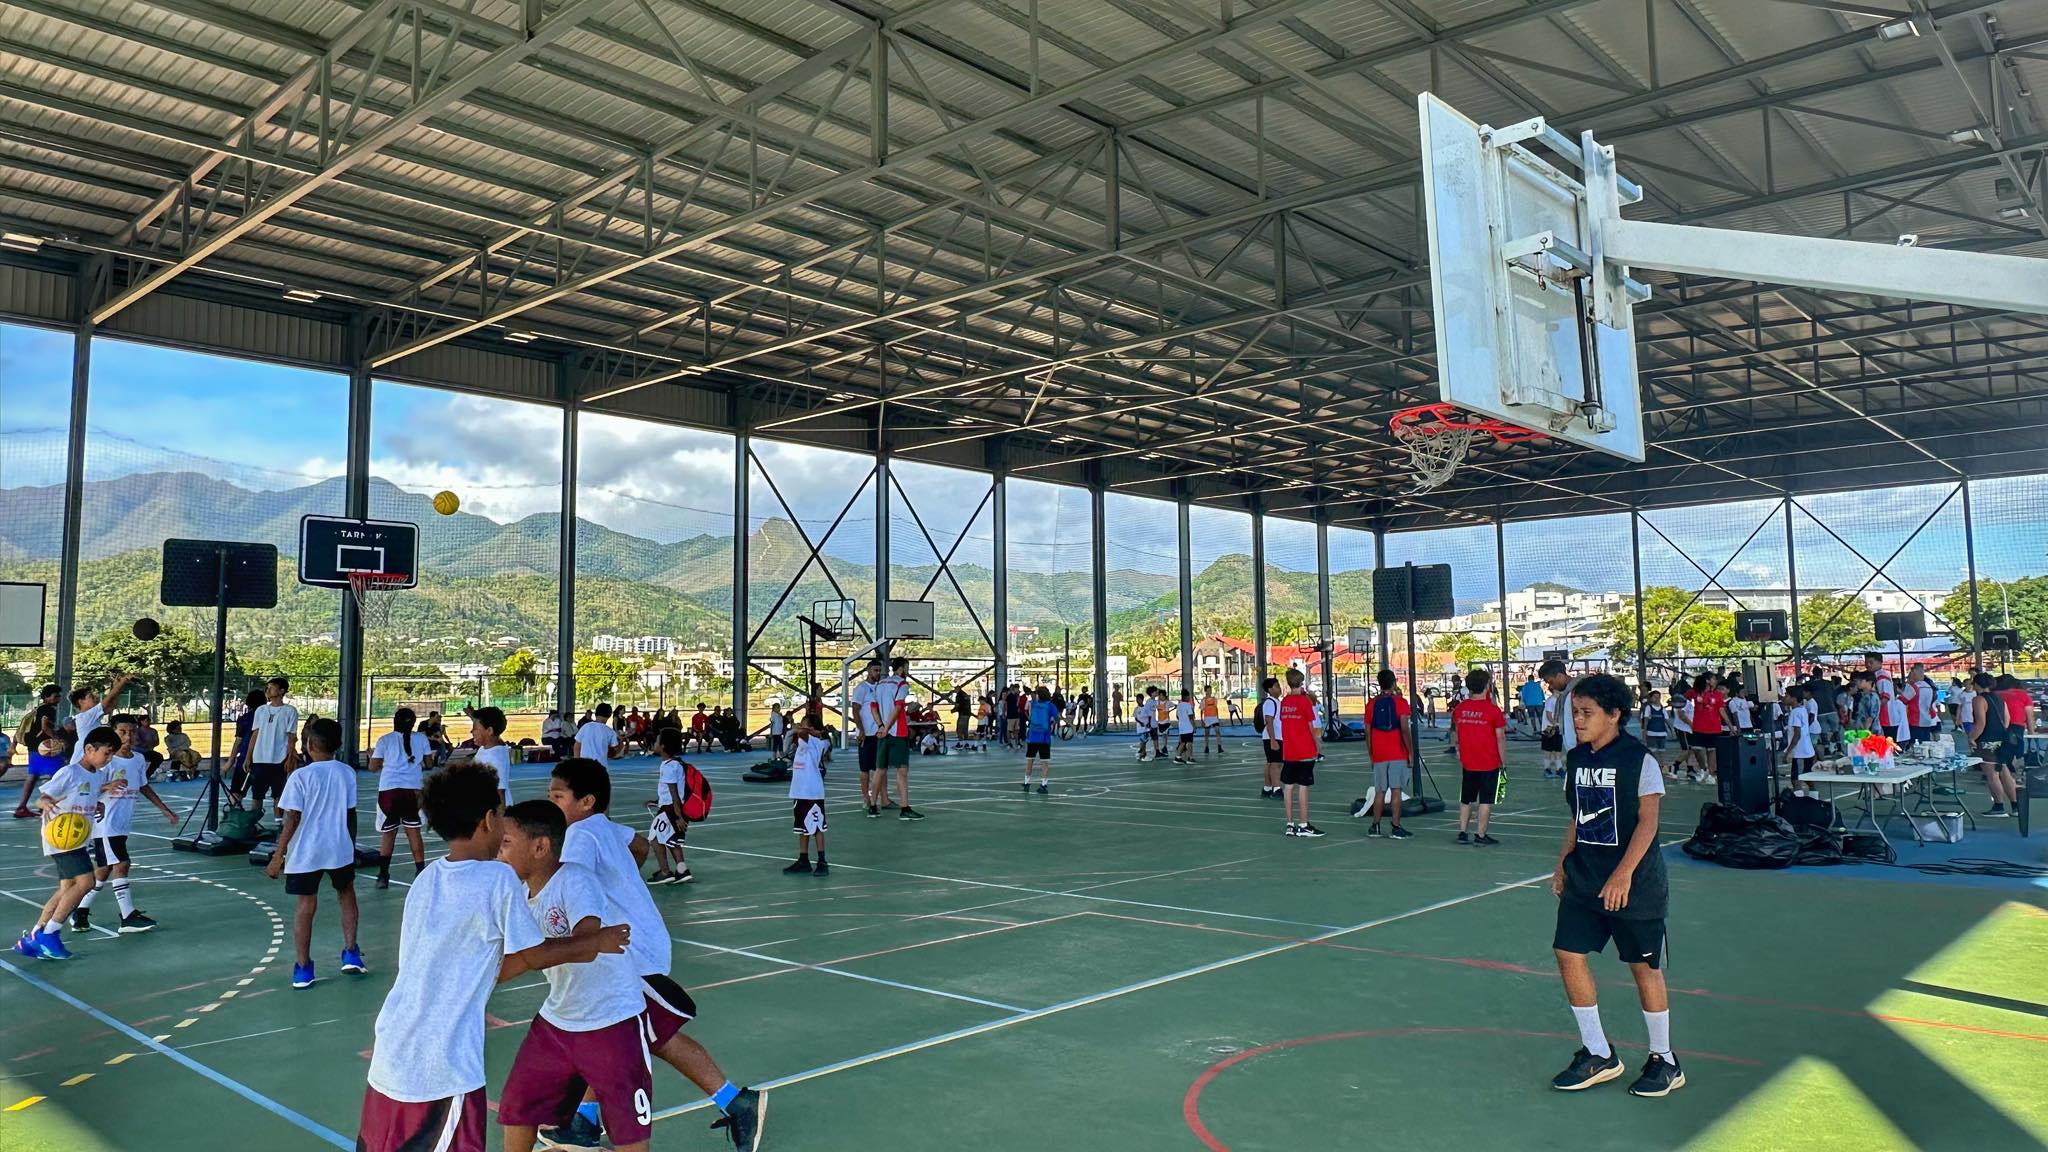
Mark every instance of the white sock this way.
pixel 54 927
pixel 1590 1032
pixel 123 899
pixel 87 902
pixel 1659 1025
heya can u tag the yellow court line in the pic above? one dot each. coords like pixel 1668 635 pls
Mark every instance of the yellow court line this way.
pixel 75 1081
pixel 20 1104
pixel 123 1058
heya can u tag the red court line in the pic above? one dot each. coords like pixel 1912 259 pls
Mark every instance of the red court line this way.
pixel 1191 1104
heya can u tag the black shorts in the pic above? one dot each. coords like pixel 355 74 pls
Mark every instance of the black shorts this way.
pixel 108 851
pixel 1299 772
pixel 77 862
pixel 1272 753
pixel 1042 749
pixel 1922 732
pixel 2013 747
pixel 266 777
pixel 868 747
pixel 1585 929
pixel 1552 741
pixel 1684 739
pixel 1479 787
pixel 308 883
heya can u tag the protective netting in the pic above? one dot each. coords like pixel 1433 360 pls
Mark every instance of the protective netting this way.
pixel 1051 584
pixel 942 549
pixel 801 498
pixel 1141 545
pixel 1220 559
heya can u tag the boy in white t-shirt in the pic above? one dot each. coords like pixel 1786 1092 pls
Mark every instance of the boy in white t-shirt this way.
pixel 74 788
pixel 582 789
pixel 318 840
pixel 1740 707
pixel 1143 718
pixel 89 710
pixel 777 723
pixel 588 1034
pixel 125 777
pixel 807 796
pixel 273 743
pixel 1184 728
pixel 1269 737
pixel 596 740
pixel 399 760
pixel 466 927
pixel 669 826
pixel 487 732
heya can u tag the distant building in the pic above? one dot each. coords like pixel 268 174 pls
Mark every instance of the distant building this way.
pixel 633 645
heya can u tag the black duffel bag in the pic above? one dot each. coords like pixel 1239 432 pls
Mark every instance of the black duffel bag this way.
pixel 1729 836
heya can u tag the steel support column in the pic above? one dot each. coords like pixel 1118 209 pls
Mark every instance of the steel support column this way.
pixel 1187 594
pixel 565 601
pixel 881 528
pixel 1000 571
pixel 1500 572
pixel 1635 560
pixel 1976 625
pixel 355 502
pixel 74 495
pixel 1379 561
pixel 1259 650
pixel 742 469
pixel 1098 602
pixel 1792 588
pixel 1323 610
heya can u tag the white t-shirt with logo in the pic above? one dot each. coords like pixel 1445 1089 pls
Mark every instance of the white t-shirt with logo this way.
pixel 583 997
pixel 1184 717
pixel 601 845
pixel 1739 707
pixel 1924 693
pixel 268 730
pixel 806 769
pixel 74 788
pixel 594 741
pixel 120 781
pixel 400 769
pixel 462 918
pixel 891 696
pixel 323 793
pixel 498 758
pixel 83 724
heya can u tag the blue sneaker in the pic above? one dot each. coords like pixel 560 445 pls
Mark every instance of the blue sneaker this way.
pixel 26 945
pixel 302 975
pixel 50 946
pixel 352 961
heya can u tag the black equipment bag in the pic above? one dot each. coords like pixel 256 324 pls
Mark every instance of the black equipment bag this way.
pixel 1729 836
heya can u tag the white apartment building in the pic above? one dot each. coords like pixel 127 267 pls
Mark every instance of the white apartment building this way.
pixel 633 645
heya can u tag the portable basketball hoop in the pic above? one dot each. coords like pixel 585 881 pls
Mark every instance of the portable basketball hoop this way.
pixel 1437 436
pixel 371 592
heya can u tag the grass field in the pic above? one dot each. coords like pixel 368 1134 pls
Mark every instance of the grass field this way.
pixel 1138 961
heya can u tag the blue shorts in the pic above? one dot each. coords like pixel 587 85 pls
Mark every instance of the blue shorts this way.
pixel 41 765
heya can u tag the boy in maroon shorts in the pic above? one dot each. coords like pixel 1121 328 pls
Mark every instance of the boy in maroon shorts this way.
pixel 466 927
pixel 589 1033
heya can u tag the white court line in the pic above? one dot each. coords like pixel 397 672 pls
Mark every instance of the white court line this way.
pixel 1111 994
pixel 254 1035
pixel 303 1123
pixel 829 970
pixel 40 903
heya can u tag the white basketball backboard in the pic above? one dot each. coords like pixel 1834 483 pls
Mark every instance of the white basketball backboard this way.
pixel 1531 326
pixel 21 615
pixel 907 619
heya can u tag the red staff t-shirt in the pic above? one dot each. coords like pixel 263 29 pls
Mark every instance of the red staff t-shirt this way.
pixel 1385 746
pixel 1475 721
pixel 1706 712
pixel 2016 701
pixel 1297 727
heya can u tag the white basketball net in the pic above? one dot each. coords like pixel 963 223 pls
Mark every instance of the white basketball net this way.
pixel 372 593
pixel 1434 451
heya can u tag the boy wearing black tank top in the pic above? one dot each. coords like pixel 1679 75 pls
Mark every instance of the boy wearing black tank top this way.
pixel 1610 884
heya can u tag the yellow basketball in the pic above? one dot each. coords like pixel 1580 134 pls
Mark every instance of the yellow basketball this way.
pixel 67 831
pixel 446 502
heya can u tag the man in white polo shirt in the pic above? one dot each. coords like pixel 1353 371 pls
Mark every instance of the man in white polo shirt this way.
pixel 273 744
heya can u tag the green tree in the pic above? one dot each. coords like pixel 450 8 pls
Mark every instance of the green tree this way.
pixel 1830 623
pixel 1674 624
pixel 598 675
pixel 11 683
pixel 305 665
pixel 2020 604
pixel 518 672
pixel 175 664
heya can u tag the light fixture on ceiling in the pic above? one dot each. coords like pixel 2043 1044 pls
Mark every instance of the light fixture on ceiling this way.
pixel 302 295
pixel 20 241
pixel 960 420
pixel 840 396
pixel 521 337
pixel 1967 136
pixel 1897 30
pixel 2013 212
pixel 692 370
pixel 1063 439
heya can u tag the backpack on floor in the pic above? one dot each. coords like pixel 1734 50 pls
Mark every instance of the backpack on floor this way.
pixel 696 794
pixel 1386 713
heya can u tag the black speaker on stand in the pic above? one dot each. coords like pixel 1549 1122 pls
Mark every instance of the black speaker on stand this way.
pixel 1406 595
pixel 216 574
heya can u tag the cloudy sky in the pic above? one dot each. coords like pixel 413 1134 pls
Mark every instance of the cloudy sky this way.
pixel 269 427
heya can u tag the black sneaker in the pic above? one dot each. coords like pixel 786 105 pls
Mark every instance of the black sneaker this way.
pixel 1374 830
pixel 1586 1070
pixel 1027 785
pixel 1660 1077
pixel 136 921
pixel 1400 833
pixel 579 1132
pixel 908 813
pixel 1309 830
pixel 802 866
pixel 873 811
pixel 742 1120
pixel 1043 789
pixel 1293 831
pixel 1996 811
pixel 1464 839
pixel 383 881
pixel 823 869
pixel 81 920
pixel 1484 839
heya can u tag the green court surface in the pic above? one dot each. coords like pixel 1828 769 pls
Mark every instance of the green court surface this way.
pixel 1139 960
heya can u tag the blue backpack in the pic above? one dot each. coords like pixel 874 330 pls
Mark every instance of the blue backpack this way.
pixel 1386 713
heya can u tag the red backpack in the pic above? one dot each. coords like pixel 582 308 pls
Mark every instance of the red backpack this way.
pixel 696 794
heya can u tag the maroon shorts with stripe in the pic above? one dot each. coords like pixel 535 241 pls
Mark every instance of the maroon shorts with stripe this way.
pixel 554 1066
pixel 455 1124
pixel 668 1008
